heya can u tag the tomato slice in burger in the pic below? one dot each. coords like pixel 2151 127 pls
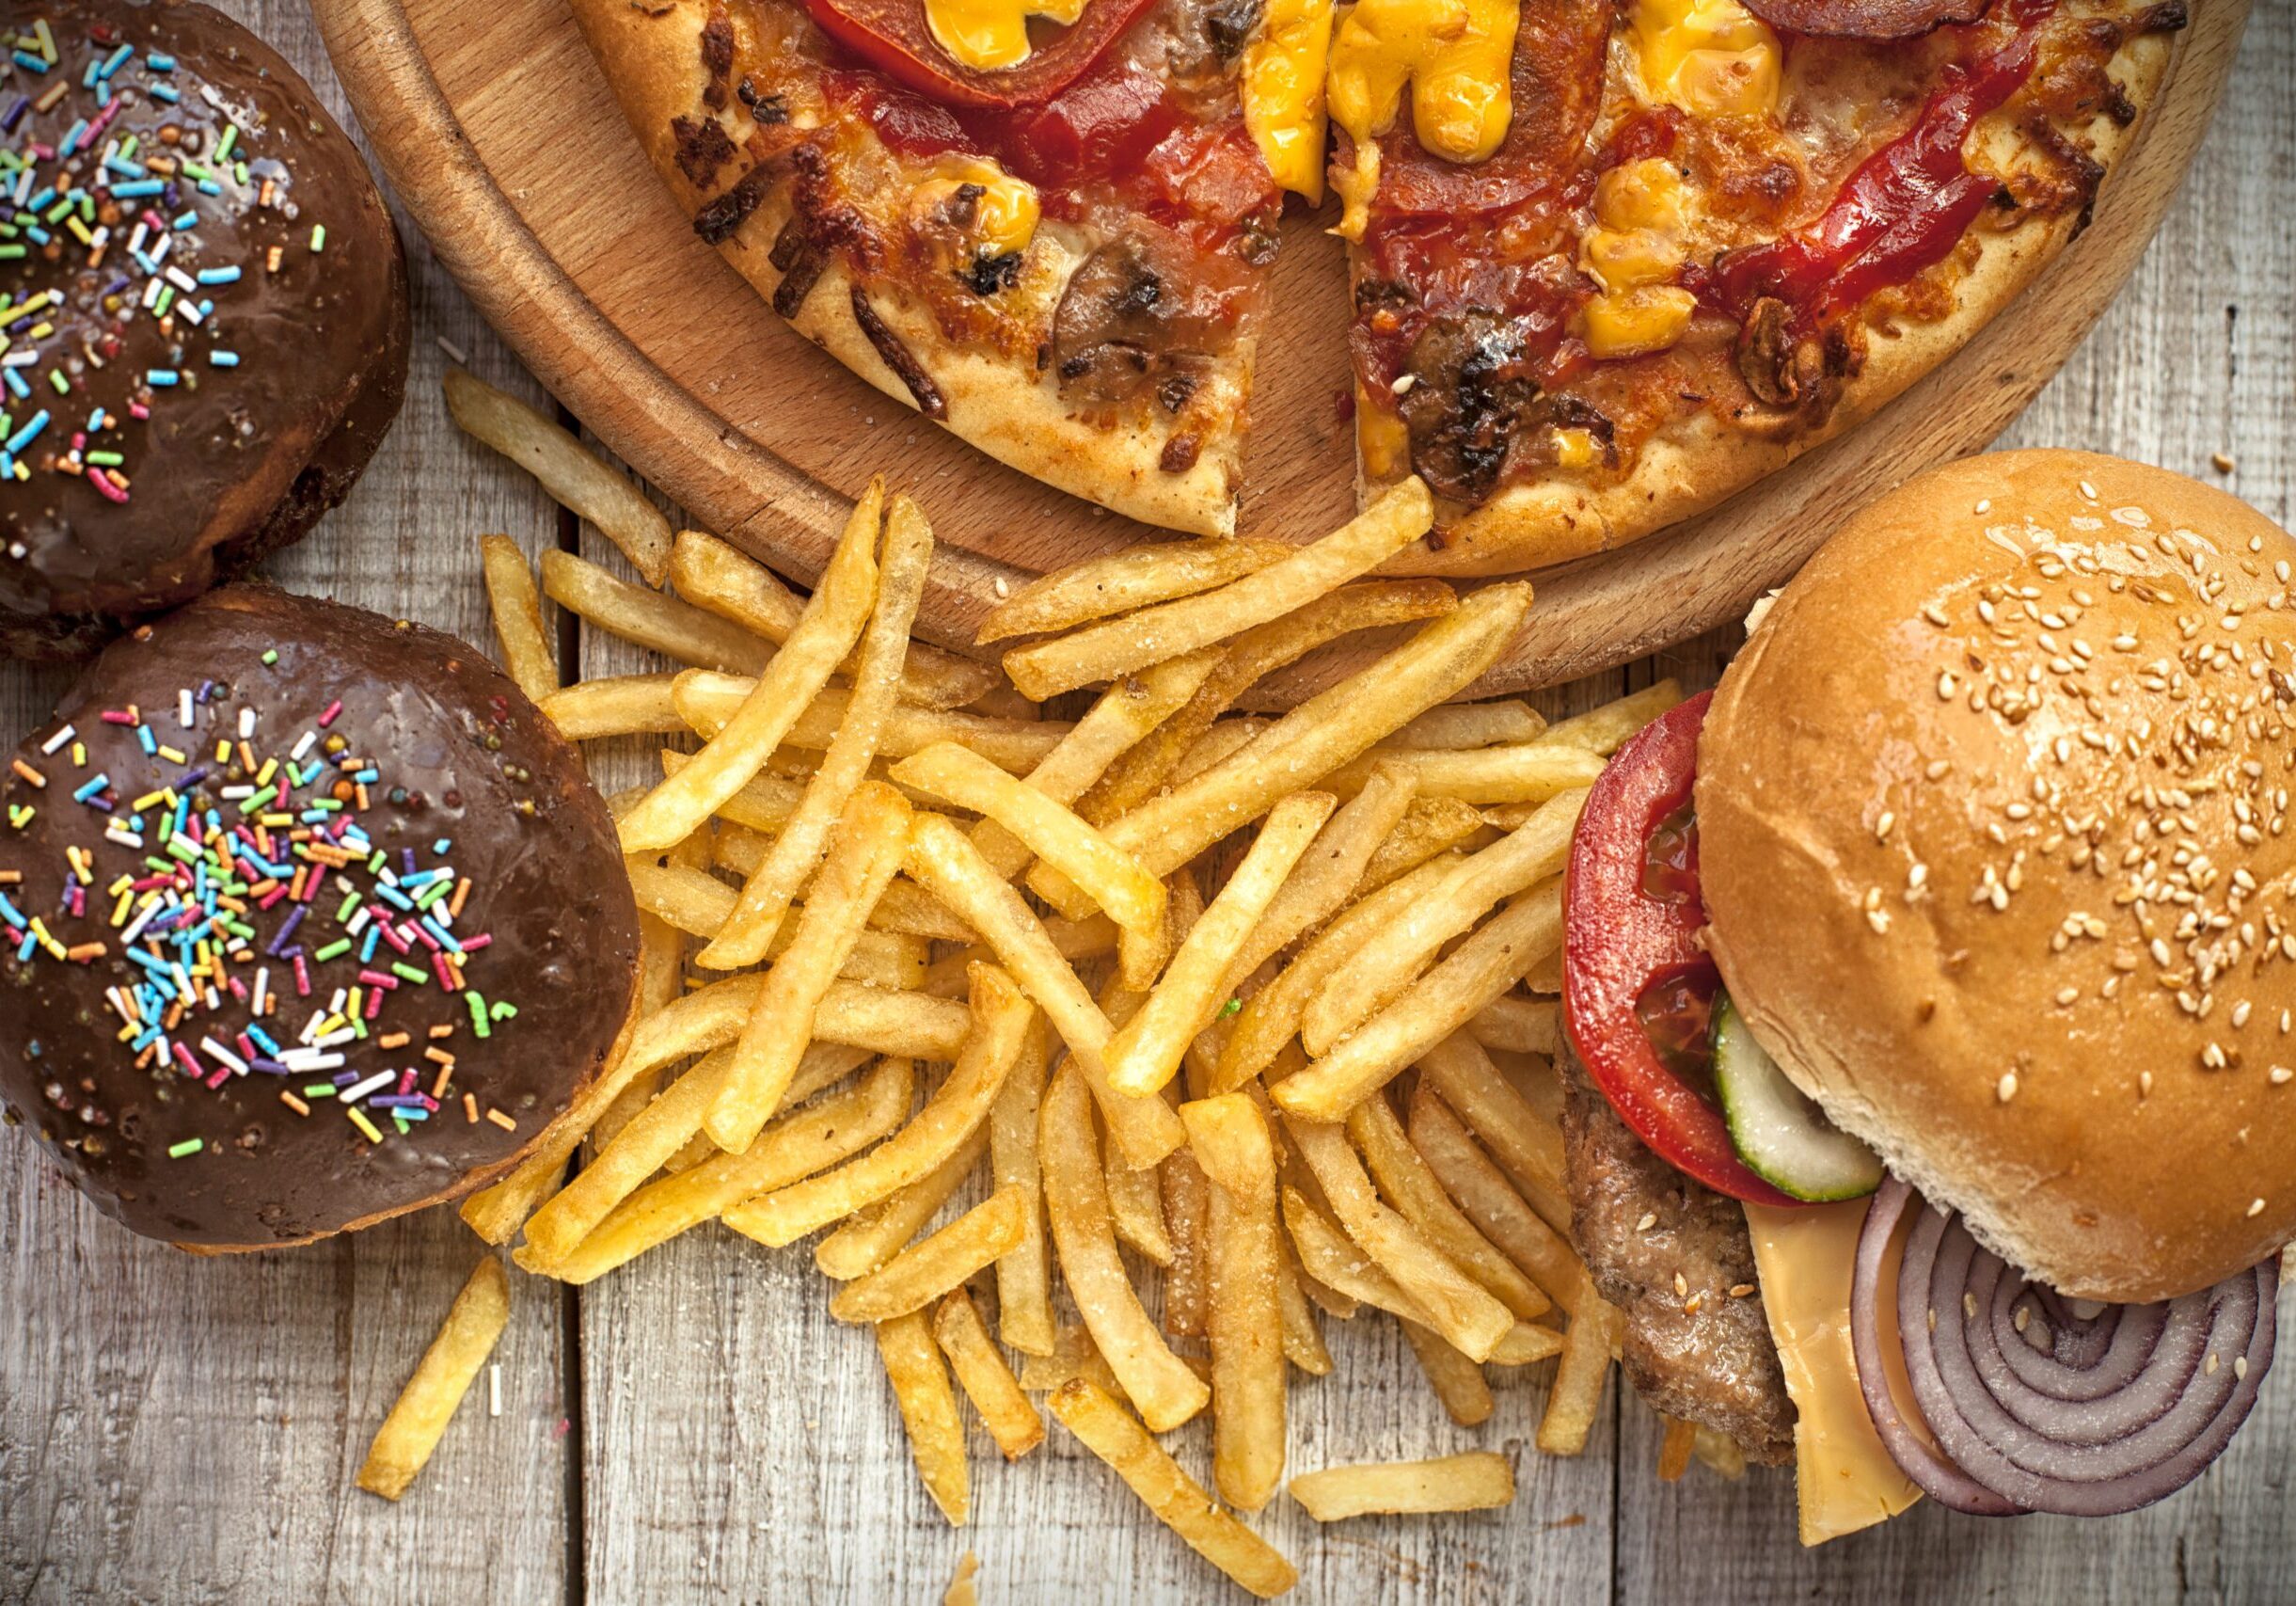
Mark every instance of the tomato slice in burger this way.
pixel 894 36
pixel 1638 986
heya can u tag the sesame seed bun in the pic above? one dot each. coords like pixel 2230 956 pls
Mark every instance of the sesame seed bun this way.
pixel 1992 819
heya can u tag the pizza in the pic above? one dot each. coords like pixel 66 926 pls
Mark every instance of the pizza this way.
pixel 1610 261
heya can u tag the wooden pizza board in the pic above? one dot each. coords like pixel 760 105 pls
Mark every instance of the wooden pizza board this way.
pixel 502 138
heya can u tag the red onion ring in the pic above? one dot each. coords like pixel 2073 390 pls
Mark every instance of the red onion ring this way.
pixel 2079 1414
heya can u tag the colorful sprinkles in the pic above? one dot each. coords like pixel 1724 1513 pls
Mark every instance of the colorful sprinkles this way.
pixel 95 201
pixel 241 870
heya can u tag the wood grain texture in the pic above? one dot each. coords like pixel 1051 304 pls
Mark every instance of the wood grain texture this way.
pixel 174 1429
pixel 662 348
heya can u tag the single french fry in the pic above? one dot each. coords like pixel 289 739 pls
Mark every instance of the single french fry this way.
pixel 527 657
pixel 1336 1262
pixel 872 839
pixel 1135 1205
pixel 831 624
pixel 1512 1023
pixel 1522 773
pixel 957 1108
pixel 1466 1315
pixel 871 1238
pixel 615 705
pixel 1606 729
pixel 1528 1146
pixel 649 619
pixel 1455 726
pixel 661 977
pixel 717 575
pixel 1073 1355
pixel 418 1421
pixel 1178 1502
pixel 1575 1400
pixel 945 863
pixel 1117 646
pixel 1247 659
pixel 1458 1382
pixel 1475 1480
pixel 802 1142
pixel 1444 1001
pixel 1429 827
pixel 1119 718
pixel 929 1411
pixel 1112 878
pixel 574 476
pixel 1319 735
pixel 1229 1139
pixel 1076 1200
pixel 1023 1276
pixel 1137 577
pixel 1303 1339
pixel 1371 977
pixel 1720 1454
pixel 1270 1016
pixel 988 1382
pixel 1143 1055
pixel 1486 1197
pixel 1418 1195
pixel 767 804
pixel 936 1264
pixel 806 839
pixel 693 901
pixel 707 699
pixel 1187 1207
pixel 1327 872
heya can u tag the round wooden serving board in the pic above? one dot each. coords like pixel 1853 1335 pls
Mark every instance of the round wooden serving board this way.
pixel 502 138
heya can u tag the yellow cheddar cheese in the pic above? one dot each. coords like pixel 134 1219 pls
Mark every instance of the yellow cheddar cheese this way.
pixel 989 34
pixel 1283 91
pixel 1577 449
pixel 1845 1479
pixel 1458 57
pixel 1709 58
pixel 1632 252
pixel 1002 217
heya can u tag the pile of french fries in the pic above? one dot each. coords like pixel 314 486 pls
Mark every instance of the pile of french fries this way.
pixel 1236 997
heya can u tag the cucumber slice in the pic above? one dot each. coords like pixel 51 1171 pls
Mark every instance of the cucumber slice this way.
pixel 1778 1130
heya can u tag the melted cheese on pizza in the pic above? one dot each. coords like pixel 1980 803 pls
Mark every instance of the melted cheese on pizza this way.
pixel 1456 54
pixel 991 34
pixel 1709 58
pixel 1283 91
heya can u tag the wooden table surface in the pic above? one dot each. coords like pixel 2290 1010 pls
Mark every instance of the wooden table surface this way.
pixel 696 1426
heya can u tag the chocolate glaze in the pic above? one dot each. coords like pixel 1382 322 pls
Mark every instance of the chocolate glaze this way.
pixel 462 755
pixel 233 462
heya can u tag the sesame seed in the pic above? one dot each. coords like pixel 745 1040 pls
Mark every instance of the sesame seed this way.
pixel 2256 1207
pixel 2007 1088
pixel 1650 1219
pixel 1740 1289
pixel 1969 1305
pixel 2239 1366
pixel 1883 825
pixel 1681 1283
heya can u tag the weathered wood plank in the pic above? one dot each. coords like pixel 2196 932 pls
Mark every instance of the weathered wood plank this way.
pixel 178 1428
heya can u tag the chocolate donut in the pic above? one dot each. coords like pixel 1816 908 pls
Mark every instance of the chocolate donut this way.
pixel 309 919
pixel 203 323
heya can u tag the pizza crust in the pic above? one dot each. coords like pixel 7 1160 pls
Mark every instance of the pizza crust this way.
pixel 1699 463
pixel 652 59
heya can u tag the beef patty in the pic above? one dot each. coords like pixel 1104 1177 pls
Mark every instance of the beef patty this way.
pixel 1674 1256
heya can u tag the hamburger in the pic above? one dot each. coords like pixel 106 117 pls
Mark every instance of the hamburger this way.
pixel 1930 1006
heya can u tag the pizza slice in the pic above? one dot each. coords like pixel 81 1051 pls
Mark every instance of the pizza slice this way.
pixel 1613 264
pixel 1045 224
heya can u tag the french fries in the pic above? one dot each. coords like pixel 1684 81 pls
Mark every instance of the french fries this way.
pixel 873 837
pixel 615 704
pixel 1118 647
pixel 1515 1025
pixel 935 1265
pixel 987 1381
pixel 1076 1198
pixel 1137 577
pixel 1112 878
pixel 872 1237
pixel 831 624
pixel 527 657
pixel 1109 1431
pixel 1486 1197
pixel 749 930
pixel 1530 771
pixel 1429 828
pixel 1331 868
pixel 1605 730
pixel 929 1411
pixel 649 619
pixel 1452 993
pixel 1229 1139
pixel 707 700
pixel 1527 1146
pixel 1476 1480
pixel 1575 1400
pixel 1024 1275
pixel 959 1104
pixel 418 1421
pixel 1143 1054
pixel 715 574
pixel 1457 725
pixel 574 476
pixel 1405 1181
pixel 1458 1382
pixel 1394 957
